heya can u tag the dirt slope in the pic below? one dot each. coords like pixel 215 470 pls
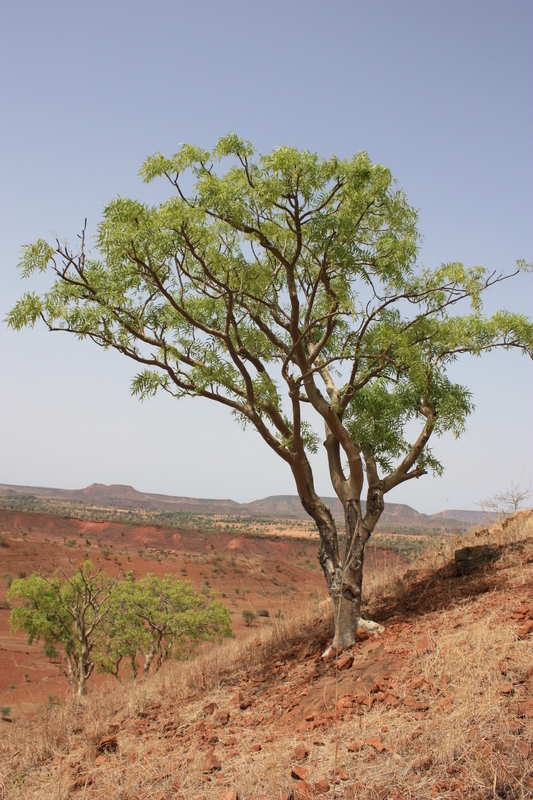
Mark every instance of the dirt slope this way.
pixel 439 706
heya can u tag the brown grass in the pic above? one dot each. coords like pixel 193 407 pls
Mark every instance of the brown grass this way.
pixel 458 651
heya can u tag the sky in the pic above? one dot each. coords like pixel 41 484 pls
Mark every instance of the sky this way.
pixel 440 92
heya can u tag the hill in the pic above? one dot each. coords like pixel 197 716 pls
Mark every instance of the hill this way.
pixel 439 706
pixel 396 516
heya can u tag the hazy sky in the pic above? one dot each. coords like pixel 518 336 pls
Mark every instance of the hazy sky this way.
pixel 440 92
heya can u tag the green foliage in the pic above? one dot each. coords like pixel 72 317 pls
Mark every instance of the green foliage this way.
pixel 159 618
pixel 67 613
pixel 89 620
pixel 210 290
pixel 285 287
pixel 248 616
pixel 5 711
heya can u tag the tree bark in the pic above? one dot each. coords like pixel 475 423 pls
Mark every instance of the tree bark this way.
pixel 346 588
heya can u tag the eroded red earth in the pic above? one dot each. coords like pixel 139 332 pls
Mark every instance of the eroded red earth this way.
pixel 279 574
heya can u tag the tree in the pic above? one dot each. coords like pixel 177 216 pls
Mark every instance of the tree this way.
pixel 159 618
pixel 286 289
pixel 248 616
pixel 505 503
pixel 68 613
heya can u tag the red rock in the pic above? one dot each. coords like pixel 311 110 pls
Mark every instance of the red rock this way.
pixel 244 704
pixel 255 748
pixel 415 705
pixel 422 646
pixel 210 708
pixel 230 741
pixel 303 791
pixel 310 717
pixel 321 786
pixel 422 764
pixel 343 775
pixel 345 702
pixel 526 629
pixel 300 773
pixel 222 717
pixel 376 743
pixel 525 708
pixel 231 794
pixel 507 688
pixel 446 702
pixel 391 700
pixel 418 683
pixel 355 747
pixel 345 662
pixel 101 760
pixel 524 748
pixel 301 752
pixel 212 762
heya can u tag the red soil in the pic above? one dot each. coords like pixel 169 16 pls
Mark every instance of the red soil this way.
pixel 277 574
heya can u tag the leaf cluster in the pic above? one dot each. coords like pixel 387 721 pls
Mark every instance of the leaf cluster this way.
pixel 282 282
pixel 90 620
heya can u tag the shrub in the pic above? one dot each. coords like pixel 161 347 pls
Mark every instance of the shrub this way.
pixel 248 616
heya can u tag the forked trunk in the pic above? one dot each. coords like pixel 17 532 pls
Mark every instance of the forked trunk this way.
pixel 344 576
pixel 346 582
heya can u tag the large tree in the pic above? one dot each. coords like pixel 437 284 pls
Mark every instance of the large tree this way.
pixel 287 289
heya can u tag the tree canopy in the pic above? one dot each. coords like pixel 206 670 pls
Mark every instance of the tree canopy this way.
pixel 88 620
pixel 286 287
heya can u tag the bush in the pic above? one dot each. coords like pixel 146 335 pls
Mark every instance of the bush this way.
pixel 248 616
pixel 263 612
pixel 5 711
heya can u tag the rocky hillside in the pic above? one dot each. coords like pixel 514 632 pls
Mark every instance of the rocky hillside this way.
pixel 439 706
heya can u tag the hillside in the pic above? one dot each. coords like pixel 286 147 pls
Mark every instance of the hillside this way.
pixel 439 706
pixel 288 507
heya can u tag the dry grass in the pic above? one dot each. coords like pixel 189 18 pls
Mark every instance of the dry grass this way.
pixel 457 651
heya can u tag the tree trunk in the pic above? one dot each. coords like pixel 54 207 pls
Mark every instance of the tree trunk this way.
pixel 346 582
pixel 148 658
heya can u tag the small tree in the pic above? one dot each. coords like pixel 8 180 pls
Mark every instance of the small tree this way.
pixel 287 290
pixel 66 613
pixel 506 503
pixel 159 618
pixel 248 616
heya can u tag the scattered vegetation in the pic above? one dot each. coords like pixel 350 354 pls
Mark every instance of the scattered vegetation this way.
pixel 88 620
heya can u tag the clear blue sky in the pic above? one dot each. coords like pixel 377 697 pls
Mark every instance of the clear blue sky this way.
pixel 440 92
